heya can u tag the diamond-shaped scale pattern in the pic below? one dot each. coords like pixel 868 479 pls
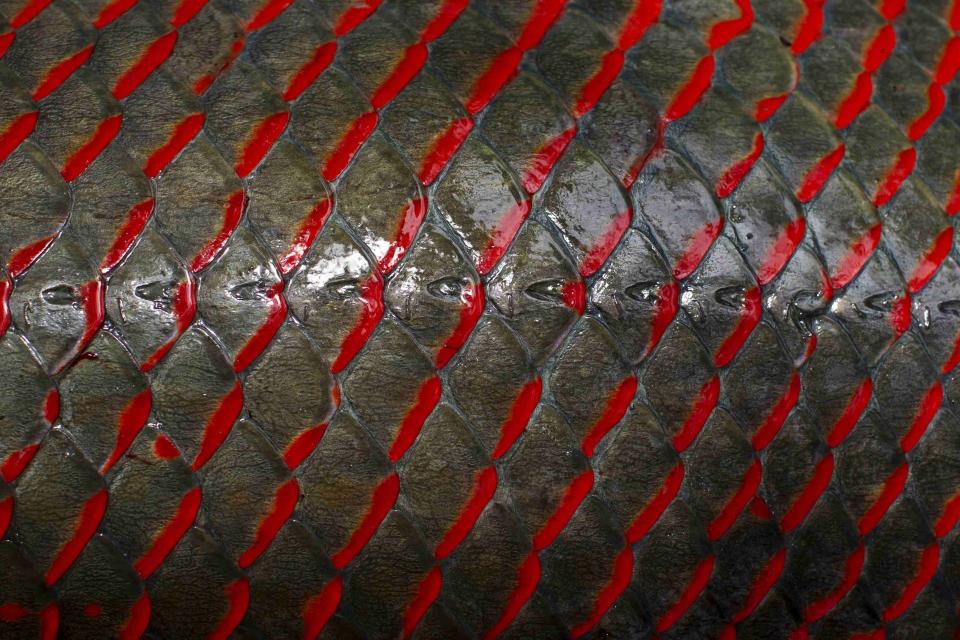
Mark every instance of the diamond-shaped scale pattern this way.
pixel 479 318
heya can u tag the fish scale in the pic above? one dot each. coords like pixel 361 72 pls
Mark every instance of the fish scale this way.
pixel 479 318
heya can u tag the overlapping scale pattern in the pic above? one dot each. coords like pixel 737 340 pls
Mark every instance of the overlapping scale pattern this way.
pixel 479 318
